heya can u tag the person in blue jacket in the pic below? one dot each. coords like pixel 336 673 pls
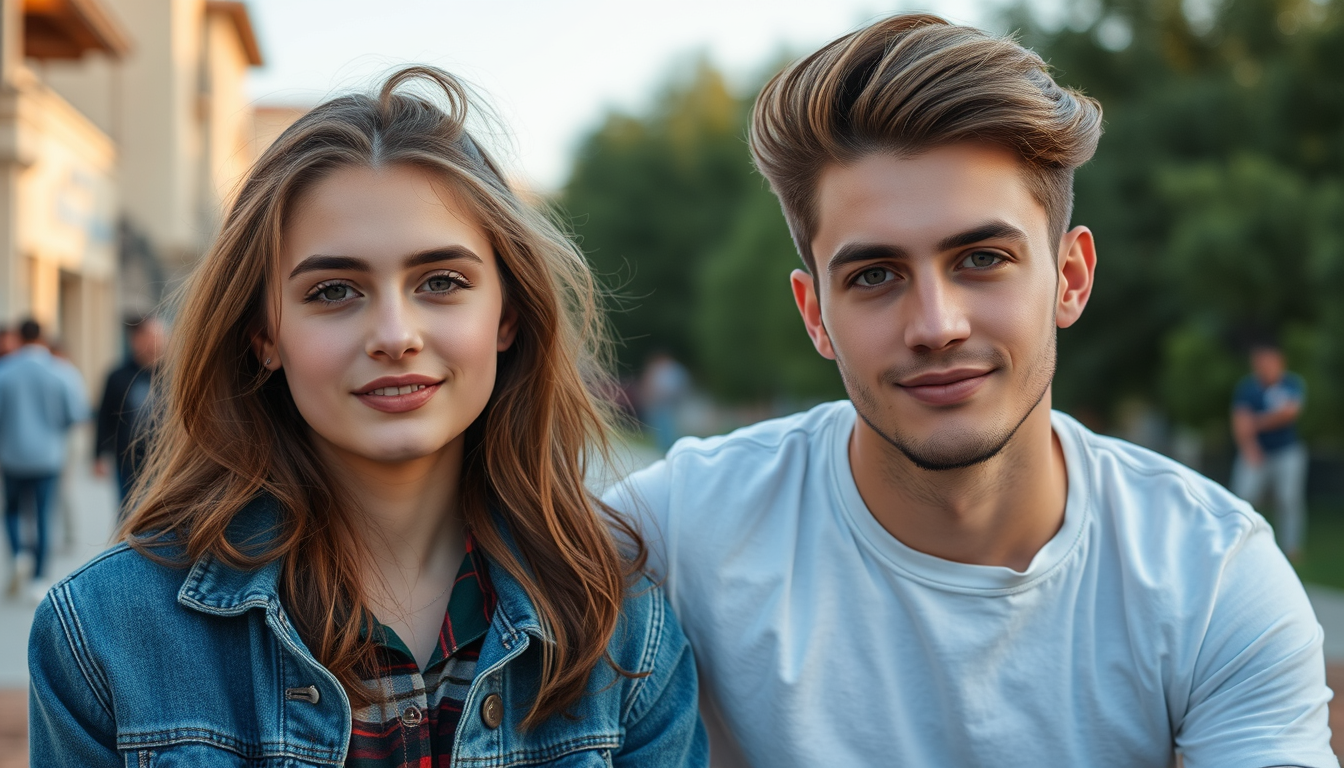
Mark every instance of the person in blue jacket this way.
pixel 1265 408
pixel 363 536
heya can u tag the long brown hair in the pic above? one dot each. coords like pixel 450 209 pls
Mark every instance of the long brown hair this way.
pixel 230 430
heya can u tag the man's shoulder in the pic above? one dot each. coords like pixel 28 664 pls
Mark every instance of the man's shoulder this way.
pixel 766 437
pixel 703 476
pixel 1140 491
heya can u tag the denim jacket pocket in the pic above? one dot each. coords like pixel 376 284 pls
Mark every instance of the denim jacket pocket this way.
pixel 202 755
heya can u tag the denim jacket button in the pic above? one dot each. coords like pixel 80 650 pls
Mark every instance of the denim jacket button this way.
pixel 412 717
pixel 492 711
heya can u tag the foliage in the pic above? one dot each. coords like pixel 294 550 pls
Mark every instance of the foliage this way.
pixel 651 196
pixel 1217 199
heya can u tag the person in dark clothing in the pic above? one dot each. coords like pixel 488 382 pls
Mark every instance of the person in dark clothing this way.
pixel 125 407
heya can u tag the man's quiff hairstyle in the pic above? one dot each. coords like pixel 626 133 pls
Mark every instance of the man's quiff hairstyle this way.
pixel 907 84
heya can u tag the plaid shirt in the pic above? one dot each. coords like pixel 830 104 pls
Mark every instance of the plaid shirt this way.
pixel 414 725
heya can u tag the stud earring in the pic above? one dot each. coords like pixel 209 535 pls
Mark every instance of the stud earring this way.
pixel 268 361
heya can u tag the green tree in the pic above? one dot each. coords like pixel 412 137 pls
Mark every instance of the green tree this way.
pixel 650 197
pixel 1214 196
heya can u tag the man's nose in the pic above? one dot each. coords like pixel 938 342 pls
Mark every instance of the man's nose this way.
pixel 935 315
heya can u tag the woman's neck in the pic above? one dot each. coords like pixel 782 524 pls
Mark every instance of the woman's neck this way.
pixel 409 516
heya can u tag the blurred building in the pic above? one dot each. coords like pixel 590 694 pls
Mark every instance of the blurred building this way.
pixel 124 127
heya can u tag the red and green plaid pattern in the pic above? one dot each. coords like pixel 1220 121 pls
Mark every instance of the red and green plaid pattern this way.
pixel 413 726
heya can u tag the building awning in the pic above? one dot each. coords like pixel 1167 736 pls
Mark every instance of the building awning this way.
pixel 67 29
pixel 237 13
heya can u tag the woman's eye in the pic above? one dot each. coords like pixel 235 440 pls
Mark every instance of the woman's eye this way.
pixel 446 283
pixel 873 276
pixel 981 259
pixel 332 293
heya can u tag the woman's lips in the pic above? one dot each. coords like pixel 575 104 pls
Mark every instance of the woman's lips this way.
pixel 400 402
pixel 947 393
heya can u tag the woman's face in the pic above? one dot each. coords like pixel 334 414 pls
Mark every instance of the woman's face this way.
pixel 391 314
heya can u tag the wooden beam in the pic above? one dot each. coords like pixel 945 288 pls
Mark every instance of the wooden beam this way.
pixel 237 13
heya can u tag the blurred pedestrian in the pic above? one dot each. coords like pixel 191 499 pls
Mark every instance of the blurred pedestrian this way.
pixel 663 389
pixel 9 340
pixel 41 397
pixel 1265 408
pixel 125 411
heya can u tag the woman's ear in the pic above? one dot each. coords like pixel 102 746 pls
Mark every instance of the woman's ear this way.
pixel 265 350
pixel 508 328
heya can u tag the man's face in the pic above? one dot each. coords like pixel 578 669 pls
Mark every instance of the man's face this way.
pixel 939 293
pixel 148 343
pixel 1268 365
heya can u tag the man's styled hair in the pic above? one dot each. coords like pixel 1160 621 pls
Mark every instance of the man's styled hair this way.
pixel 907 84
pixel 30 331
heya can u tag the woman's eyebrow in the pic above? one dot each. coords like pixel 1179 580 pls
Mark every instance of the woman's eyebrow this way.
pixel 448 253
pixel 318 262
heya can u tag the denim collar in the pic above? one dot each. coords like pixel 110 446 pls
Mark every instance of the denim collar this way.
pixel 216 588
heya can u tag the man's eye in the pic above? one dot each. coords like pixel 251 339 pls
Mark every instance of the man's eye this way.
pixel 981 259
pixel 873 276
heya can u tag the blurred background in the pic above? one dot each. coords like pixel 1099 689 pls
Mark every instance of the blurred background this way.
pixel 1217 200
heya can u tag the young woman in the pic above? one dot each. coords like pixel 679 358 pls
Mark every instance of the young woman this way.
pixel 364 537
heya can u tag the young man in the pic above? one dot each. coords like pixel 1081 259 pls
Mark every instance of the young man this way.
pixel 41 398
pixel 942 571
pixel 1265 408
pixel 126 410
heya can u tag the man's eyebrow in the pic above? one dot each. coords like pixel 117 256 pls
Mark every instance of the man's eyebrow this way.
pixel 319 262
pixel 994 230
pixel 850 253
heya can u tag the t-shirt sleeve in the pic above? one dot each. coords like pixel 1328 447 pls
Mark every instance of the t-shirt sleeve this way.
pixel 1258 696
pixel 644 498
pixel 1297 387
pixel 1246 395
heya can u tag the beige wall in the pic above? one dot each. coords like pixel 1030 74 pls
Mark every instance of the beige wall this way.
pixel 178 110
pixel 160 138
pixel 58 207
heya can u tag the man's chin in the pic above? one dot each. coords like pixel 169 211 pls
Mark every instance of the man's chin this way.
pixel 948 449
pixel 947 458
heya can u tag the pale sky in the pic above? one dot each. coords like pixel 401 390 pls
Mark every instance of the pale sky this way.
pixel 550 68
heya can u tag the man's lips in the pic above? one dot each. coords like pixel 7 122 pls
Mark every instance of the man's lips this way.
pixel 945 387
pixel 398 394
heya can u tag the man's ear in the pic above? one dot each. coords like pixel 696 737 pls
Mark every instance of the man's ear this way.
pixel 508 328
pixel 1077 267
pixel 805 296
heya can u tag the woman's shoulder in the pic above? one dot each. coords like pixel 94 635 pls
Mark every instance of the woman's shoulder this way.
pixel 124 572
pixel 117 595
pixel 648 634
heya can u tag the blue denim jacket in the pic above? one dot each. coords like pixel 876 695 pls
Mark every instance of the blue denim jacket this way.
pixel 136 664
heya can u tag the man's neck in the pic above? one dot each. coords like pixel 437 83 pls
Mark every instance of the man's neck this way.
pixel 1000 512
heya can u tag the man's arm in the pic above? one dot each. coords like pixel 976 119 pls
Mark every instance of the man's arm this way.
pixel 109 412
pixel 1244 429
pixel 1257 694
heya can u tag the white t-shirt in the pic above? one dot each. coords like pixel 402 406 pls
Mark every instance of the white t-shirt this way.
pixel 1161 613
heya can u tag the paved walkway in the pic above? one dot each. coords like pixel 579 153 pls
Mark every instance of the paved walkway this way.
pixel 90 504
